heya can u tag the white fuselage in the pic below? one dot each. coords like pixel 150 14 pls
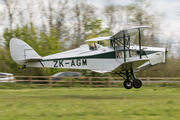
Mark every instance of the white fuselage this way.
pixel 103 59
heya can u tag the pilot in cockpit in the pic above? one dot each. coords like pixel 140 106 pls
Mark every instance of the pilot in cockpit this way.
pixel 92 46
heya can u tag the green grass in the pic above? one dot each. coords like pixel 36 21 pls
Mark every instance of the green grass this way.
pixel 147 103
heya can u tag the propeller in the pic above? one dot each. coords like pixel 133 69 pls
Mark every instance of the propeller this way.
pixel 166 51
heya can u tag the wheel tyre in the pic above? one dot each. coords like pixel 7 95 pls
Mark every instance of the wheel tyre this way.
pixel 137 83
pixel 128 84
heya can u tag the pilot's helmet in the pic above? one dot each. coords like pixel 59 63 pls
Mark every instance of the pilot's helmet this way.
pixel 92 45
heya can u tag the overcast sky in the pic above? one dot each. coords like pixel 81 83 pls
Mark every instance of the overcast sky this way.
pixel 171 8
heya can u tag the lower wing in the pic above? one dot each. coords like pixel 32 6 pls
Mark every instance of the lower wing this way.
pixel 130 65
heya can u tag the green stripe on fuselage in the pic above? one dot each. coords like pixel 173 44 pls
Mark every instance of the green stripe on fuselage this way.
pixel 149 52
pixel 107 55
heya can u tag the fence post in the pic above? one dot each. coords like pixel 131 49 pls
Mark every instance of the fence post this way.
pixel 148 80
pixel 30 80
pixel 9 77
pixel 90 81
pixel 167 81
pixel 109 82
pixel 50 81
pixel 70 81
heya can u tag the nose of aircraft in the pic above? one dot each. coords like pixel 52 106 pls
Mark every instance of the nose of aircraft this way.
pixel 166 50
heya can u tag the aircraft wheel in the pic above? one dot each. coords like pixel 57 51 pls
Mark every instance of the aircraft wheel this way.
pixel 128 84
pixel 137 83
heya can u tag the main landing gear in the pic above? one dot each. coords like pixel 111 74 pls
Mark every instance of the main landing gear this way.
pixel 130 80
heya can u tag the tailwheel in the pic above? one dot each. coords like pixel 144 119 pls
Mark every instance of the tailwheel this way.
pixel 137 83
pixel 128 84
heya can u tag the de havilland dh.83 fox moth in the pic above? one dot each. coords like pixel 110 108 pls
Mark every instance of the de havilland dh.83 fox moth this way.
pixel 120 57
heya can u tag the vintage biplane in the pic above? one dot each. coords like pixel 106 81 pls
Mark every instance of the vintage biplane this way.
pixel 120 57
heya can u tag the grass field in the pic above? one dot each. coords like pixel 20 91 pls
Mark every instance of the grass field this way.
pixel 147 103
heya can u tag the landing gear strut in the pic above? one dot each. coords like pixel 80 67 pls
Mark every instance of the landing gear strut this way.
pixel 130 80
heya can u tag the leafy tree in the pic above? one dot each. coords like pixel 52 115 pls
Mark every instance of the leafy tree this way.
pixel 93 29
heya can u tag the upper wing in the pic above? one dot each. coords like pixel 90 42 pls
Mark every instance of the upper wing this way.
pixel 128 32
pixel 99 38
pixel 130 65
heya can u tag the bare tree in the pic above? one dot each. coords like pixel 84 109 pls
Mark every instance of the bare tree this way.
pixel 83 11
pixel 112 16
pixel 61 14
pixel 53 15
pixel 141 13
pixel 26 12
pixel 10 10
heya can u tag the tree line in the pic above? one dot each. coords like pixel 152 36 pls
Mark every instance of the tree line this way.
pixel 52 26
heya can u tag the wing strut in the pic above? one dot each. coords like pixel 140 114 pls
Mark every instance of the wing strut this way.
pixel 124 45
pixel 123 37
pixel 140 43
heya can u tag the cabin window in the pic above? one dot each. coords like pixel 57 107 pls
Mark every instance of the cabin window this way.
pixel 120 54
pixel 134 53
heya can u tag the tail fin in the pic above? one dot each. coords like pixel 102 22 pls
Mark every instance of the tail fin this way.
pixel 21 52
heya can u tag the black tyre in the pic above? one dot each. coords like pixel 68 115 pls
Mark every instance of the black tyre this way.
pixel 128 84
pixel 137 83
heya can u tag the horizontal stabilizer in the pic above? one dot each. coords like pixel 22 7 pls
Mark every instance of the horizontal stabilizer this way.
pixel 34 59
pixel 130 65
